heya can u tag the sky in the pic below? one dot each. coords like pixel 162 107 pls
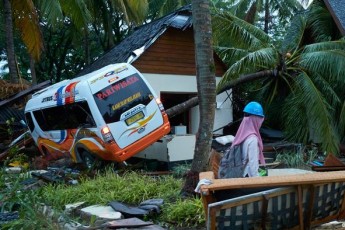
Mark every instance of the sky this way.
pixel 1 65
pixel 305 5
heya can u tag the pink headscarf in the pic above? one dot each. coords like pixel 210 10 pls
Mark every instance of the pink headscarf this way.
pixel 250 126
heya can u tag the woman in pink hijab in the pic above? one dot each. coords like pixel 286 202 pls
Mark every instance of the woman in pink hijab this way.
pixel 248 136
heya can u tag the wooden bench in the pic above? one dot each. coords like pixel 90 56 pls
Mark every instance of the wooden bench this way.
pixel 274 202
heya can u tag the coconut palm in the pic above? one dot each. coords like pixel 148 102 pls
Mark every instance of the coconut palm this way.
pixel 268 14
pixel 206 85
pixel 25 17
pixel 159 8
pixel 303 82
pixel 74 15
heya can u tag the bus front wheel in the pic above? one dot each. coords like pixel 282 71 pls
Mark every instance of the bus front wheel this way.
pixel 89 160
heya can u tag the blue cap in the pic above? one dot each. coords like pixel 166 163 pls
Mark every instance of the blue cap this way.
pixel 254 108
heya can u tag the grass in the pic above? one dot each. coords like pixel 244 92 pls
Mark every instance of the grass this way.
pixel 300 159
pixel 104 187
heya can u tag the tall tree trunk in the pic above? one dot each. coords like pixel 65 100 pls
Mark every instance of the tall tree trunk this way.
pixel 87 47
pixel 206 85
pixel 33 71
pixel 250 16
pixel 9 42
pixel 267 16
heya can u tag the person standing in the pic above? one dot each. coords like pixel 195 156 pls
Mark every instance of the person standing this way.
pixel 248 136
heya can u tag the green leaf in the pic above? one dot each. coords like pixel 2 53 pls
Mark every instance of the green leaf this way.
pixel 230 31
pixel 294 37
pixel 329 63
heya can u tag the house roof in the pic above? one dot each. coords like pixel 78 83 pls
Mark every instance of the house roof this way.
pixel 337 10
pixel 135 44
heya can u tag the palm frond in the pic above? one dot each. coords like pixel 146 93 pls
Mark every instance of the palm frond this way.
pixel 264 58
pixel 77 11
pixel 328 45
pixel 251 63
pixel 342 120
pixel 50 11
pixel 229 31
pixel 317 112
pixel 295 118
pixel 327 90
pixel 26 20
pixel 294 37
pixel 133 10
pixel 230 55
pixel 137 10
pixel 329 63
pixel 285 9
pixel 241 7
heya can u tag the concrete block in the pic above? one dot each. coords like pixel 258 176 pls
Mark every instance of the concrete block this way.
pixel 103 212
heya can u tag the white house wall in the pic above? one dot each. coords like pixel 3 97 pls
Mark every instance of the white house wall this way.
pixel 187 84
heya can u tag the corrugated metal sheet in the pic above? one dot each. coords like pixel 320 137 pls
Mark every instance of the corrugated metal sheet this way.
pixel 7 113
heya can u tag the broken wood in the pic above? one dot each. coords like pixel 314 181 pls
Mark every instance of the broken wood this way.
pixel 24 93
pixel 127 223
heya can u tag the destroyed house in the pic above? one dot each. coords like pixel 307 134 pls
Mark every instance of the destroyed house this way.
pixel 163 50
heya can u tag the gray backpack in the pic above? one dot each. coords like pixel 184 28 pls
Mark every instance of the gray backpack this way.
pixel 231 164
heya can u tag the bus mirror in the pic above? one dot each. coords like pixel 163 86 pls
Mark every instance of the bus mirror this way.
pixel 22 122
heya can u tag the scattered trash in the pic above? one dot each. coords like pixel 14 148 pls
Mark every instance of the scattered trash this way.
pixel 127 223
pixel 128 211
pixel 152 205
pixel 49 176
pixel 13 170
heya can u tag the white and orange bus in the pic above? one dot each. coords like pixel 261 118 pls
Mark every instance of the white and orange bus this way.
pixel 110 114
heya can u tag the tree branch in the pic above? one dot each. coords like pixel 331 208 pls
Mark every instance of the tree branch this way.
pixel 182 107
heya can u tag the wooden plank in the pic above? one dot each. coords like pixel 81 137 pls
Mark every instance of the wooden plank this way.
pixel 342 209
pixel 300 207
pixel 309 212
pixel 328 168
pixel 206 175
pixel 271 181
pixel 127 223
pixel 212 219
pixel 264 197
pixel 177 61
pixel 332 160
pixel 265 200
pixel 165 69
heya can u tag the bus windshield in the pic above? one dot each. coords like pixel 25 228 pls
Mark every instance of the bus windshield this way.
pixel 121 96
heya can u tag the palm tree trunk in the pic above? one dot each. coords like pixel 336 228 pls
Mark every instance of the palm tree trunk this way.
pixel 9 42
pixel 206 84
pixel 250 16
pixel 87 47
pixel 182 107
pixel 267 16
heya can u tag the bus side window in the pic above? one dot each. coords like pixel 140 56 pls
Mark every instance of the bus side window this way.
pixel 81 112
pixel 70 116
pixel 40 119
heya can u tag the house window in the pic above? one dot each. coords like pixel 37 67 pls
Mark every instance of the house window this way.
pixel 170 100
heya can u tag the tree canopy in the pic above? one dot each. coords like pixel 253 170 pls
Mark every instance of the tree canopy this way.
pixel 303 93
